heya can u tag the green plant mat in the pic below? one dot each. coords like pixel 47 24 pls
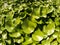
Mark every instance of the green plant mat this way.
pixel 29 22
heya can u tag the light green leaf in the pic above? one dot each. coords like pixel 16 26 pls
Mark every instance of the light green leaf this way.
pixel 36 13
pixel 29 41
pixel 19 40
pixel 8 41
pixel 15 34
pixel 49 29
pixel 54 43
pixel 45 42
pixel 38 35
pixel 28 26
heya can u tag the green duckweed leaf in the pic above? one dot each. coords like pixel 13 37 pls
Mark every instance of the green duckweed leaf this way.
pixel 49 29
pixel 4 36
pixel 38 35
pixel 15 34
pixel 29 41
pixel 19 40
pixel 9 29
pixel 8 41
pixel 54 43
pixel 45 42
pixel 29 25
pixel 36 13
